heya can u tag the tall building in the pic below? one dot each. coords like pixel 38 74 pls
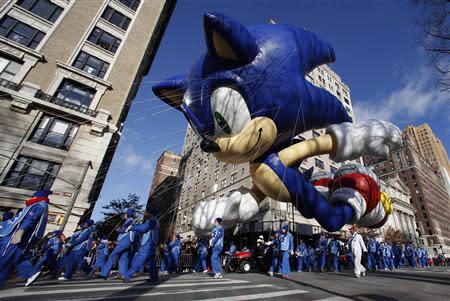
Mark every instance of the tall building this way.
pixel 428 193
pixel 428 145
pixel 206 178
pixel 69 71
pixel 167 165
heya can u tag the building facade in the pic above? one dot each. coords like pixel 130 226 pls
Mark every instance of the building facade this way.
pixel 206 178
pixel 428 145
pixel 427 190
pixel 403 217
pixel 167 165
pixel 68 73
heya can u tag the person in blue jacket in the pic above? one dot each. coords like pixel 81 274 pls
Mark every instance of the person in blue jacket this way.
pixel 76 248
pixel 334 250
pixel 216 243
pixel 323 247
pixel 311 254
pixel 149 230
pixel 165 262
pixel 231 251
pixel 274 246
pixel 20 232
pixel 202 252
pixel 51 252
pixel 410 255
pixel 175 251
pixel 301 256
pixel 372 248
pixel 397 251
pixel 287 249
pixel 101 253
pixel 424 257
pixel 124 246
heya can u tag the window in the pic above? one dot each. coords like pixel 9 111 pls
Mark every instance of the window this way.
pixel 333 169
pixel 55 132
pixel 346 100
pixel 42 8
pixel 116 18
pixel 133 4
pixel 20 32
pixel 25 174
pixel 104 40
pixel 223 183
pixel 8 68
pixel 319 163
pixel 233 177
pixel 224 168
pixel 91 64
pixel 75 93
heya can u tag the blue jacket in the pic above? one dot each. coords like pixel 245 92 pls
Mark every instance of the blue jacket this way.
pixel 81 239
pixel 323 244
pixel 201 248
pixel 302 249
pixel 102 248
pixel 150 229
pixel 373 245
pixel 175 247
pixel 122 230
pixel 54 243
pixel 287 242
pixel 334 247
pixel 409 250
pixel 232 249
pixel 217 236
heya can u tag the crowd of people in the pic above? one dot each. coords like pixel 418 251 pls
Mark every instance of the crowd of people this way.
pixel 25 250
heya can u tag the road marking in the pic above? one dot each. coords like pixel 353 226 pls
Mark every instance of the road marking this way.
pixel 257 296
pixel 335 298
pixel 171 292
pixel 21 292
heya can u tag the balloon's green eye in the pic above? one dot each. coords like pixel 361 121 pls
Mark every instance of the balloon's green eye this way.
pixel 223 124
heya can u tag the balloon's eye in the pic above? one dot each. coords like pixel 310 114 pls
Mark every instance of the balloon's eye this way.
pixel 222 123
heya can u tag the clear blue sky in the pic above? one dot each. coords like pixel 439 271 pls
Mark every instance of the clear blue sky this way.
pixel 379 56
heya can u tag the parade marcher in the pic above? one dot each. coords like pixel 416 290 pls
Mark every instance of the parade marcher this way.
pixel 334 250
pixel 301 256
pixel 274 246
pixel 216 243
pixel 323 247
pixel 51 251
pixel 372 247
pixel 229 254
pixel 77 248
pixel 259 253
pixel 357 247
pixel 101 254
pixel 175 251
pixel 19 233
pixel 165 262
pixel 387 255
pixel 398 254
pixel 123 247
pixel 287 249
pixel 424 256
pixel 202 252
pixel 410 255
pixel 147 251
pixel 311 256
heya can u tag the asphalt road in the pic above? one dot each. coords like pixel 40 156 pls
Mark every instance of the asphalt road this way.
pixel 432 284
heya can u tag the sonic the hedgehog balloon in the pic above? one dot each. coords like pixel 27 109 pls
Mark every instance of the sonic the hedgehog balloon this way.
pixel 247 97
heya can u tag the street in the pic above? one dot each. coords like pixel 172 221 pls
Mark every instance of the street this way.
pixel 428 284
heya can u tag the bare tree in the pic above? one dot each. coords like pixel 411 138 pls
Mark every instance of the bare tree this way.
pixel 434 22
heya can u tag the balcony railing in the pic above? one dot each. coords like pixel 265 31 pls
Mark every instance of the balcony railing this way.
pixel 63 103
pixel 9 84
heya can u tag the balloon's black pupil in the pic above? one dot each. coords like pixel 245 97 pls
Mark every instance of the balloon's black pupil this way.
pixel 222 123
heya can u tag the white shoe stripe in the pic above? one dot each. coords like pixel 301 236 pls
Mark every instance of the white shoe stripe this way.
pixel 257 296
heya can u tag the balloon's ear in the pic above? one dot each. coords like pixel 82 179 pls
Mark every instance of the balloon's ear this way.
pixel 228 38
pixel 171 91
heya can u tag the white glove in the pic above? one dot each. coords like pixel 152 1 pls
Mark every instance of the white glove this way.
pixel 17 237
pixel 372 137
pixel 128 229
pixel 239 206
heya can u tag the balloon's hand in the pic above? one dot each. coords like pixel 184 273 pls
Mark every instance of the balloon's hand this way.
pixel 17 237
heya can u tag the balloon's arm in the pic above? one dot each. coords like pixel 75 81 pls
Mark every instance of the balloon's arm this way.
pixel 295 154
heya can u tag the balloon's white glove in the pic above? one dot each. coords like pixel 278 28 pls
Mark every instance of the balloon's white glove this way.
pixel 372 137
pixel 17 237
pixel 239 206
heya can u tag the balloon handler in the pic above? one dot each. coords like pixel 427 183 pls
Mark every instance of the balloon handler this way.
pixel 246 98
